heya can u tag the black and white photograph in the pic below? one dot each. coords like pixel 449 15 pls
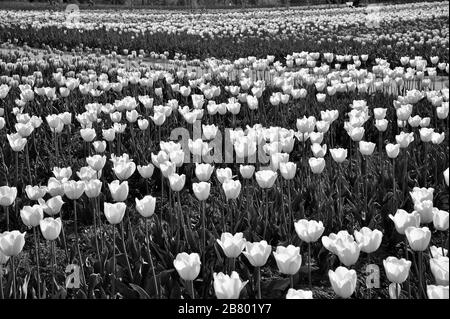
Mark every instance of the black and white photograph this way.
pixel 214 158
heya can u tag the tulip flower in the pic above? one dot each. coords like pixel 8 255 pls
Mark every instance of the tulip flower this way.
pixel 201 190
pixel 317 165
pixel 440 269
pixel 347 251
pixel 232 245
pixel 73 190
pixel 392 150
pixel 124 170
pixel 7 195
pixel 288 260
pixel 446 175
pixel 403 220
pixel 96 162
pixel 299 294
pixel 265 178
pixel 228 287
pixel 309 231
pixel 35 192
pixel 118 190
pixel 425 210
pixel 31 215
pixel 247 171
pixel 437 292
pixel 343 281
pixel 146 206
pixel 50 227
pixel 177 182
pixel 203 171
pixel 92 188
pixel 146 171
pixel 418 238
pixel 52 206
pixel 114 212
pixel 231 188
pixel 257 253
pixel 12 242
pixel 16 142
pixel 224 174
pixel 339 154
pixel 187 266
pixel 369 240
pixel 440 220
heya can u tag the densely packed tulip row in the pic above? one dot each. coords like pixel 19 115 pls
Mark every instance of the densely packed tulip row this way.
pixel 235 179
pixel 384 32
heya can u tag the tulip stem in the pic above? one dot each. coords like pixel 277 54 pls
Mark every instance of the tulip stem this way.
pixel 77 239
pixel 191 285
pixel 1 282
pixel 408 279
pixel 398 289
pixel 420 273
pixel 258 282
pixel 147 237
pixel 16 159
pixel 309 266
pixel 202 203
pixel 95 234
pixel 394 185
pixel 53 257
pixel 113 284
pixel 64 237
pixel 36 247
pixel 6 209
pixel 266 213
pixel 27 159
pixel 183 224
pixel 125 251
pixel 13 268
pixel 292 281
pixel 290 212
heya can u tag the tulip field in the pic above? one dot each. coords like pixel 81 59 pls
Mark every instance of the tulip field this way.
pixel 230 154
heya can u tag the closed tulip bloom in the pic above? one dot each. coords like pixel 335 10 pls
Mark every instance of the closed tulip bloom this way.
pixel 92 188
pixel 418 238
pixel 228 287
pixel 339 154
pixel 7 195
pixel 369 240
pixel 319 150
pixel 50 227
pixel 437 292
pixel 96 162
pixel 114 212
pixel 109 135
pixel 366 148
pixel 167 168
pixel 288 170
pixel 177 182
pixel 403 220
pixel 118 190
pixel 309 231
pixel 201 190
pixel 146 206
pixel 347 251
pixel 440 219
pixel 16 142
pixel 404 139
pixel 52 206
pixel 88 134
pixel 187 266
pixel 224 174
pixel 392 150
pixel 379 113
pixel 356 133
pixel 257 253
pixel 124 170
pixel 397 270
pixel 31 215
pixel 266 178
pixel 440 268
pixel 146 171
pixel 232 245
pixel 299 294
pixel 288 259
pixel 203 171
pixel 12 242
pixel 35 192
pixel 73 189
pixel 231 188
pixel 343 281
pixel 247 171
pixel 317 165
